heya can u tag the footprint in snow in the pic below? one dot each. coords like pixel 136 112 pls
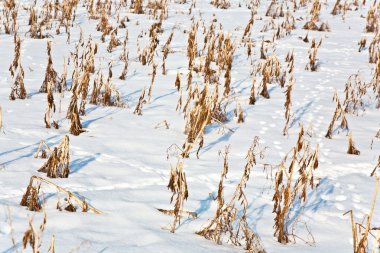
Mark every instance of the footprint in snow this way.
pixel 356 198
pixel 340 207
pixel 5 229
pixel 340 198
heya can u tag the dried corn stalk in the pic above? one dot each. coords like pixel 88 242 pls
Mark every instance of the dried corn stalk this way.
pixel 376 167
pixel 192 46
pixel 197 119
pixel 313 62
pixel 10 13
pixel 141 102
pixel 361 231
pixel 356 94
pixel 338 7
pixel 50 74
pixel 247 30
pixel 339 113
pixel 138 7
pixel 221 4
pixel 154 72
pixel 104 92
pixel 73 115
pixel 17 73
pixel 125 59
pixel 178 186
pixel 84 83
pixel 51 108
pixel 374 47
pixel 103 25
pixel 372 19
pixel 288 104
pixel 33 237
pixel 290 187
pixel 178 82
pixel 239 113
pixel 312 24
pixel 270 71
pixel 114 42
pixel 252 98
pixel 58 163
pixel 43 147
pixel 227 58
pixel 147 55
pixel 351 148
pixel 52 245
pixel 376 81
pixel 32 200
pixel 228 220
pixel 165 53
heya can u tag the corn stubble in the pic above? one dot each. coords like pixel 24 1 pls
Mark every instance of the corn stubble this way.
pixel 50 108
pixel 204 105
pixel 32 200
pixel 313 61
pixel 138 7
pixel 158 9
pixel 43 148
pixel 33 236
pixel 165 53
pixel 352 150
pixel 294 177
pixel 17 72
pixel 221 4
pixel 103 92
pixel 373 48
pixel 73 114
pixel 338 114
pixel 312 24
pixel 147 55
pixel 178 186
pixel 239 113
pixel 361 231
pixel 150 90
pixel 10 13
pixel 58 163
pixel 114 41
pixel 140 103
pixel 125 58
pixel 197 119
pixel 288 104
pixel 376 82
pixel 271 72
pixel 358 95
pixel 376 167
pixel 372 19
pixel 51 76
pixel 230 219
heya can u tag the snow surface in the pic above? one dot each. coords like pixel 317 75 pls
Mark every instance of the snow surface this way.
pixel 120 164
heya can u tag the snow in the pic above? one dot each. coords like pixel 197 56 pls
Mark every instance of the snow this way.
pixel 120 163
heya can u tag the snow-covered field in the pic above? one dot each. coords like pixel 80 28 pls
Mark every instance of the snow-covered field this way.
pixel 121 163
